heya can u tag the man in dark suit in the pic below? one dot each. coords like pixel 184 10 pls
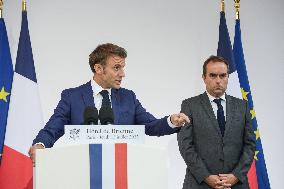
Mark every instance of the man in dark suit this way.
pixel 107 62
pixel 218 145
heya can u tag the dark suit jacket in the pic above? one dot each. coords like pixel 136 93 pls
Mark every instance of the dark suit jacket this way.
pixel 127 111
pixel 206 152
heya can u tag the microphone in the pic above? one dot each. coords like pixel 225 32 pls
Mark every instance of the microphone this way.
pixel 90 116
pixel 106 115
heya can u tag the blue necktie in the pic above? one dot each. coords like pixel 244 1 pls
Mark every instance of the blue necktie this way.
pixel 106 100
pixel 220 116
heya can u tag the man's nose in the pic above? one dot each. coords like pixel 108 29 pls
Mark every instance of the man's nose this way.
pixel 218 79
pixel 122 73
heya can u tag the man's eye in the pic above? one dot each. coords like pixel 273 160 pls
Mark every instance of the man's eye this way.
pixel 223 76
pixel 213 75
pixel 116 67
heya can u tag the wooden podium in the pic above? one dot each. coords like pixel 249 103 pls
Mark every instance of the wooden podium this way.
pixel 101 166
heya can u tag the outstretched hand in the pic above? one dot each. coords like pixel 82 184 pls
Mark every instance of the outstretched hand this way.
pixel 179 119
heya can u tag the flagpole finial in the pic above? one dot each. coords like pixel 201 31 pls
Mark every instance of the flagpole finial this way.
pixel 1 9
pixel 222 5
pixel 237 9
pixel 24 5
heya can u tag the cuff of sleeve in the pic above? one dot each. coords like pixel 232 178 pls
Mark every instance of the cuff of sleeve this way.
pixel 202 178
pixel 40 144
pixel 239 177
pixel 170 123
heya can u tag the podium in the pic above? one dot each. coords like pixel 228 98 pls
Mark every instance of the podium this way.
pixel 101 166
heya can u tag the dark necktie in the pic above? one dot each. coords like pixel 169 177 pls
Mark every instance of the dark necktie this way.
pixel 220 116
pixel 106 101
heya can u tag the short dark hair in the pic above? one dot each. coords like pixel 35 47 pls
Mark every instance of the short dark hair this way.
pixel 102 52
pixel 213 59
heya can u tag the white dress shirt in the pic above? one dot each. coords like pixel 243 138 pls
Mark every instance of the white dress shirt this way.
pixel 98 98
pixel 214 105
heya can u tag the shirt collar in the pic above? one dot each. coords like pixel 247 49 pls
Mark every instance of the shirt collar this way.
pixel 211 98
pixel 97 88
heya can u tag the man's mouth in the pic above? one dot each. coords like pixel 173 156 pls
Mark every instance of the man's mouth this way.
pixel 218 88
pixel 118 81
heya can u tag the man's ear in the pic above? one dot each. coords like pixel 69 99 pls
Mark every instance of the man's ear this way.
pixel 98 68
pixel 203 77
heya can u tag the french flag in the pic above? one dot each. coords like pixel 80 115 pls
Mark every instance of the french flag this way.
pixel 225 50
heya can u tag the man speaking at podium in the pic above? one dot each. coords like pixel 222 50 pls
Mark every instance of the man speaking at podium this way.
pixel 107 62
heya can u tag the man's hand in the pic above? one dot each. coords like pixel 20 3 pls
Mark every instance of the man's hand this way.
pixel 32 151
pixel 215 182
pixel 229 178
pixel 179 120
pixel 222 184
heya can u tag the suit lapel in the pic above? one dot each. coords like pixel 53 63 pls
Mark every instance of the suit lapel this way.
pixel 209 111
pixel 87 94
pixel 115 104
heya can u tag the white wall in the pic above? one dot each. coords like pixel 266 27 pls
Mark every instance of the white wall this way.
pixel 167 41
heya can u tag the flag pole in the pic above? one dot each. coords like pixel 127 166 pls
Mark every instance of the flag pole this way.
pixel 237 9
pixel 1 8
pixel 222 5
pixel 24 5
